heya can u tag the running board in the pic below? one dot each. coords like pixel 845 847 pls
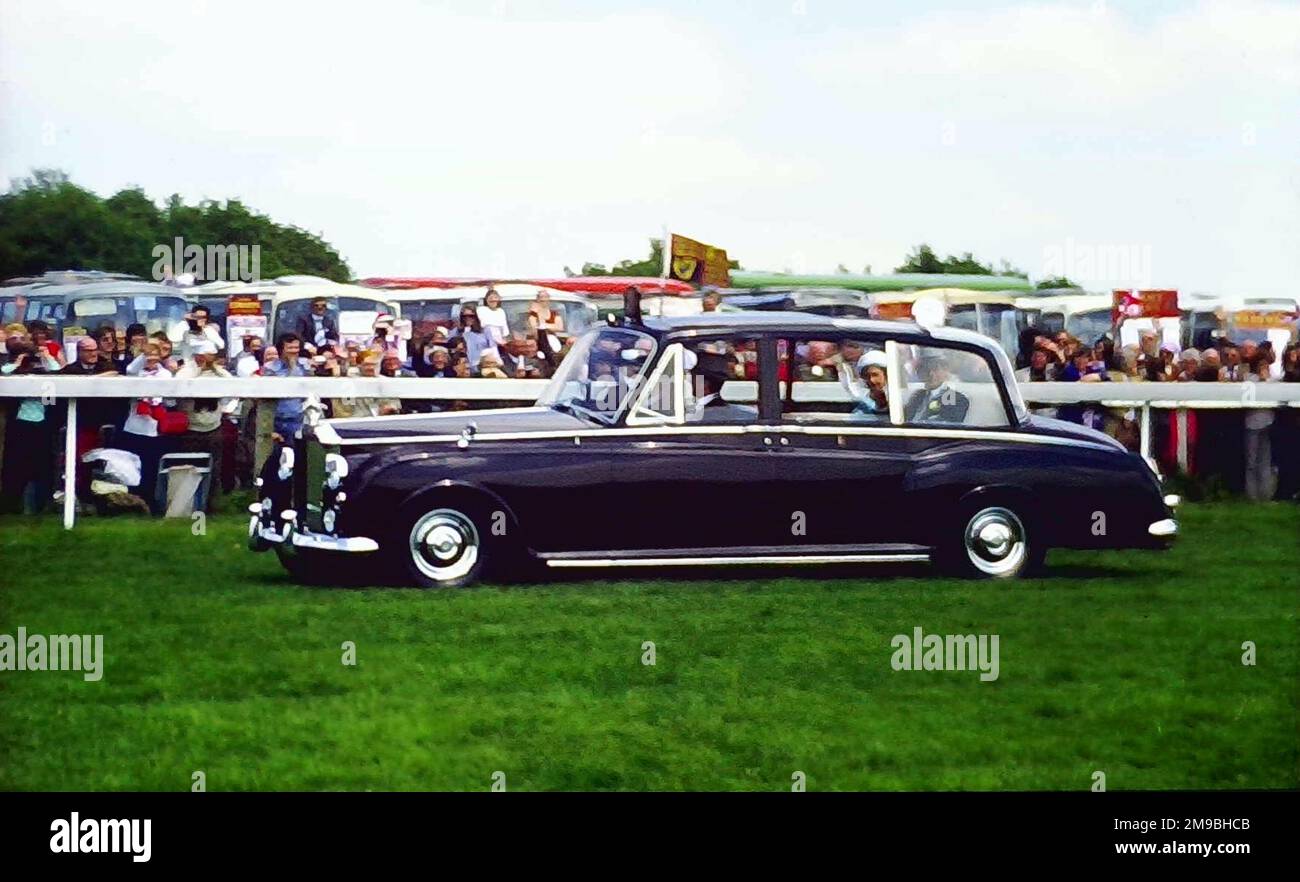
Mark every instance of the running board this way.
pixel 738 560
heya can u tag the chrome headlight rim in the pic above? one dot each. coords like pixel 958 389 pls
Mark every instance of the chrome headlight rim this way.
pixel 336 470
pixel 286 463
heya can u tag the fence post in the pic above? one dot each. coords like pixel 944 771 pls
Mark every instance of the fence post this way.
pixel 1184 444
pixel 1145 435
pixel 70 467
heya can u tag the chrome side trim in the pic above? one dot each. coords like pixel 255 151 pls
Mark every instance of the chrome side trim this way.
pixel 669 431
pixel 1166 527
pixel 738 561
pixel 402 417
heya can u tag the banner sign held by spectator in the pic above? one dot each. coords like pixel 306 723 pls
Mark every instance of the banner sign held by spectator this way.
pixel 240 326
pixel 356 326
pixel 697 263
pixel 1144 304
pixel 244 318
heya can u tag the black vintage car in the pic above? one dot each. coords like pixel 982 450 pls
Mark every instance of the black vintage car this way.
pixel 720 439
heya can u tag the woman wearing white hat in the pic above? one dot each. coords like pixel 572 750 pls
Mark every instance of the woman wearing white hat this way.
pixel 385 339
pixel 872 398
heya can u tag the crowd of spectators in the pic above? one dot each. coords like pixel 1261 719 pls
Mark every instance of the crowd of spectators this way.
pixel 1251 451
pixel 237 435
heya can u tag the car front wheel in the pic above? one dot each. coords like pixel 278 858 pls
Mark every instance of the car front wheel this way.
pixel 444 549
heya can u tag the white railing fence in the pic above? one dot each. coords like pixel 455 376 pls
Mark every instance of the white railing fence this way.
pixel 53 388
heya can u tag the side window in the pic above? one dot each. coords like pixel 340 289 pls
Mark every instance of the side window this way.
pixel 706 382
pixel 721 381
pixel 949 387
pixel 834 381
pixel 662 399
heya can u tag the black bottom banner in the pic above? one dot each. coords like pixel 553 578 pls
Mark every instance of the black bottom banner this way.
pixel 213 830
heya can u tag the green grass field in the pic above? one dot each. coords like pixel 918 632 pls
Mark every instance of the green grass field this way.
pixel 1129 663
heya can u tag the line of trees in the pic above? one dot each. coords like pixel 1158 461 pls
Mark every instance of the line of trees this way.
pixel 921 259
pixel 49 223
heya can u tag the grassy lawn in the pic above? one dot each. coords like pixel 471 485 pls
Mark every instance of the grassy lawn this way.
pixel 1128 663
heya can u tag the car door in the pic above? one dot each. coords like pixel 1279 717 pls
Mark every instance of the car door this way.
pixel 690 482
pixel 841 474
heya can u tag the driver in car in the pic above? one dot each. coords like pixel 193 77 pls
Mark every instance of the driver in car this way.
pixel 712 370
pixel 938 402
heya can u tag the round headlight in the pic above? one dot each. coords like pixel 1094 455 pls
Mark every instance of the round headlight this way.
pixel 286 463
pixel 328 520
pixel 336 469
pixel 336 465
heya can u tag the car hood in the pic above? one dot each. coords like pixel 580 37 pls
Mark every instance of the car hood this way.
pixel 1062 429
pixel 515 419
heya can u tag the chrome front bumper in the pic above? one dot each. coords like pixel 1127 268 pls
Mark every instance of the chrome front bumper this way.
pixel 262 537
pixel 1164 529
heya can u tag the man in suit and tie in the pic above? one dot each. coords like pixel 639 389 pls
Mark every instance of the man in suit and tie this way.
pixel 938 402
pixel 318 326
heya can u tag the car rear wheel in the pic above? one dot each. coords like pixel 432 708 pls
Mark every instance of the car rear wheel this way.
pixel 444 548
pixel 993 544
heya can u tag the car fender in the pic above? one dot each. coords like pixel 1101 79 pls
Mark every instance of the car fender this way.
pixel 467 488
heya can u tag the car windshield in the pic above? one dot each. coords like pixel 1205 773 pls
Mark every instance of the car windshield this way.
pixel 1256 333
pixel 156 313
pixel 602 371
pixel 428 314
pixel 1090 326
pixel 577 316
pixel 354 315
pixel 12 310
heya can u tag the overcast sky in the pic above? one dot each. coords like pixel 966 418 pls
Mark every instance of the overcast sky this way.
pixel 513 137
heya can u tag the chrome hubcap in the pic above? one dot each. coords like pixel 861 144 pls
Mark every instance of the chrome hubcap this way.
pixel 995 542
pixel 444 544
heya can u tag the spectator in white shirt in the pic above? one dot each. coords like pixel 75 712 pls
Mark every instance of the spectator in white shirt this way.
pixel 204 432
pixel 493 318
pixel 246 361
pixel 194 329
